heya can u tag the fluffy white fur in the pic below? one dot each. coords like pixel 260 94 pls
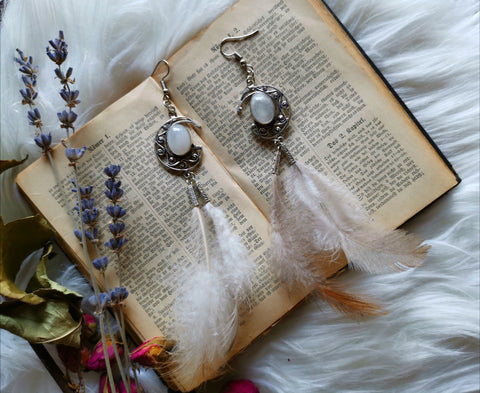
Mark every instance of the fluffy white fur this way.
pixel 428 50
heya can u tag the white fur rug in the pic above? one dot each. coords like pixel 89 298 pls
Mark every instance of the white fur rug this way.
pixel 429 51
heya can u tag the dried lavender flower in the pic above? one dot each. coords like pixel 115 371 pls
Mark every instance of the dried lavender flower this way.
pixel 57 51
pixel 44 141
pixel 27 67
pixel 92 234
pixel 116 211
pixel 118 295
pixel 111 183
pixel 116 244
pixel 74 154
pixel 114 194
pixel 64 78
pixel 78 234
pixel 100 263
pixel 70 97
pixel 104 299
pixel 28 96
pixel 67 119
pixel 116 228
pixel 35 118
pixel 89 216
pixel 84 191
pixel 112 170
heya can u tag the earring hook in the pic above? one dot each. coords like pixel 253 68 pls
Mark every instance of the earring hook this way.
pixel 235 55
pixel 158 65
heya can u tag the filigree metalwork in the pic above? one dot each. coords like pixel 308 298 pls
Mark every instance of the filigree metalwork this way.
pixel 282 111
pixel 184 163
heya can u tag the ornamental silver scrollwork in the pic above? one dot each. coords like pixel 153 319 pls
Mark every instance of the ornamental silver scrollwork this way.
pixel 282 111
pixel 183 163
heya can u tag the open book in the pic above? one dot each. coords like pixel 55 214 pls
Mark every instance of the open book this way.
pixel 346 122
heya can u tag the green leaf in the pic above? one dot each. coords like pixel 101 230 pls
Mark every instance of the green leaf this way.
pixel 7 164
pixel 18 239
pixel 48 322
pixel 46 311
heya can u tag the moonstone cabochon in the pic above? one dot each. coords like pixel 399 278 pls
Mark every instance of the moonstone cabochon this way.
pixel 178 139
pixel 262 108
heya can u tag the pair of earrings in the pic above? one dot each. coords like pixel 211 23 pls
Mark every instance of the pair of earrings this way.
pixel 313 220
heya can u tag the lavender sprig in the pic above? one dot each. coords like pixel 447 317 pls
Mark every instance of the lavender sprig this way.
pixel 29 94
pixel 114 193
pixel 57 52
pixel 118 295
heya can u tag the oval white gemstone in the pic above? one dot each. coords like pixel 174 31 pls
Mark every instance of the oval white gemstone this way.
pixel 178 139
pixel 262 108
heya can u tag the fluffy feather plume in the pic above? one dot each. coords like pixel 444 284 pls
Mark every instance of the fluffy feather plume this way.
pixel 337 222
pixel 210 292
pixel 315 222
pixel 236 266
pixel 289 241
pixel 206 322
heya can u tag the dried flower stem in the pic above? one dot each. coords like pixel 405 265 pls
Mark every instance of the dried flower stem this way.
pixel 99 310
pixel 115 350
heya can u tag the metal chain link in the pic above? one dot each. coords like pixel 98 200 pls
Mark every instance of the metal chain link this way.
pixel 249 70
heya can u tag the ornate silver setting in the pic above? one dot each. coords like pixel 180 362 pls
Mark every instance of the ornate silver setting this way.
pixel 184 163
pixel 282 111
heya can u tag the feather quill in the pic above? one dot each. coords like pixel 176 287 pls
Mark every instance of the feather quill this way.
pixel 209 294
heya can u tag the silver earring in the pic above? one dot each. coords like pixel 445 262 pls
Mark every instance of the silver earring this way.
pixel 206 303
pixel 314 217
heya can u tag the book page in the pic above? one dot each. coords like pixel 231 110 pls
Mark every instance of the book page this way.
pixel 158 215
pixel 344 121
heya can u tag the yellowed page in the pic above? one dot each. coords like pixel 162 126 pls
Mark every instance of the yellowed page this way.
pixel 345 122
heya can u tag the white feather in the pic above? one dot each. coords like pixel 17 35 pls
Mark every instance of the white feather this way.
pixel 206 321
pixel 338 222
pixel 289 240
pixel 235 266
pixel 209 293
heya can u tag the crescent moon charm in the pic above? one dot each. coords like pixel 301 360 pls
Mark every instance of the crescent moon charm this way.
pixel 173 145
pixel 270 110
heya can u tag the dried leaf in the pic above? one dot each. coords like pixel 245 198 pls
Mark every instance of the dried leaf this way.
pixel 49 321
pixel 7 164
pixel 19 239
pixel 46 311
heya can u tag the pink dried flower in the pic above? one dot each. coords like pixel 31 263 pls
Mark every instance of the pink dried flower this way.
pixel 241 386
pixel 97 358
pixel 152 352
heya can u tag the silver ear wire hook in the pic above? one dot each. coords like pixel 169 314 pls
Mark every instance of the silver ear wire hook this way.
pixel 158 65
pixel 166 93
pixel 235 55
